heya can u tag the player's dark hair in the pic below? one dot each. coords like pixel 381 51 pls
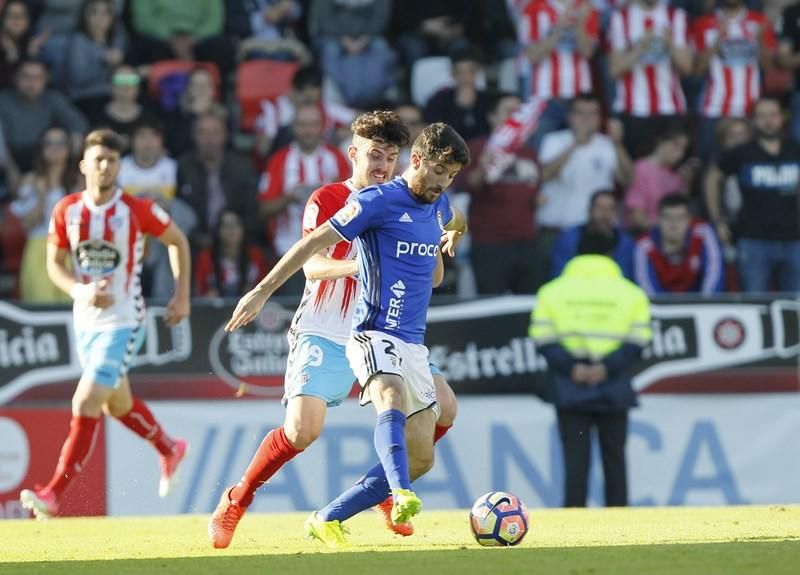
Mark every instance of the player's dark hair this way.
pixel 673 201
pixel 596 242
pixel 599 194
pixel 441 143
pixel 381 126
pixel 104 137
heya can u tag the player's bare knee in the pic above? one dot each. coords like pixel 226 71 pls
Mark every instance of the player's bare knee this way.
pixel 387 393
pixel 87 405
pixel 301 434
pixel 448 406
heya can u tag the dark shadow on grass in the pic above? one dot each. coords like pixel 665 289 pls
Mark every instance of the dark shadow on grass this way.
pixel 734 558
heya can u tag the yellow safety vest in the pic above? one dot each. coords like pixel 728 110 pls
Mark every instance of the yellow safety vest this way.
pixel 591 309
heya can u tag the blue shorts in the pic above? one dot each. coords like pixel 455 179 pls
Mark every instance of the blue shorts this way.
pixel 434 370
pixel 106 356
pixel 318 367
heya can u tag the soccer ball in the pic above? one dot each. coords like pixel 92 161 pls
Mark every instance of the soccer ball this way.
pixel 498 518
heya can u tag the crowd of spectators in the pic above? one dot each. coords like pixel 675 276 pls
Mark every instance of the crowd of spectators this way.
pixel 667 127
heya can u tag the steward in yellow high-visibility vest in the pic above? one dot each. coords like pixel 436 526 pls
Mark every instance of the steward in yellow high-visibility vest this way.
pixel 591 324
pixel 596 316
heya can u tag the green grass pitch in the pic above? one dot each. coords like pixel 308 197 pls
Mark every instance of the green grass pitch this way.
pixel 647 541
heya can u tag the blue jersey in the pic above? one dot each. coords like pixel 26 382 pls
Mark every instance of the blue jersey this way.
pixel 398 241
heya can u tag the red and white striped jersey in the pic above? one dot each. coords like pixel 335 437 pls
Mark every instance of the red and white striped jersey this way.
pixel 564 73
pixel 734 79
pixel 327 306
pixel 290 170
pixel 107 242
pixel 652 87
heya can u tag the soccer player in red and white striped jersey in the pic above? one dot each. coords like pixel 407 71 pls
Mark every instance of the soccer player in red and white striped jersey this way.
pixel 649 53
pixel 733 44
pixel 102 231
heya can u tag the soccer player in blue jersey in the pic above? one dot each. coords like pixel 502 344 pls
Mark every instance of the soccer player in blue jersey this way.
pixel 399 227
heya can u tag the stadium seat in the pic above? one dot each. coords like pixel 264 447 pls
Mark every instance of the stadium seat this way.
pixel 429 75
pixel 164 68
pixel 258 80
pixel 507 76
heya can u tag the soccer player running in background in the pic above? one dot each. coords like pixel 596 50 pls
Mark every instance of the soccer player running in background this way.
pixel 399 226
pixel 318 374
pixel 102 231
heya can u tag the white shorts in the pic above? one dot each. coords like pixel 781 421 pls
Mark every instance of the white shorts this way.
pixel 374 352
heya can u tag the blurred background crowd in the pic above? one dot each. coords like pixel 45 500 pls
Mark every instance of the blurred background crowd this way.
pixel 668 125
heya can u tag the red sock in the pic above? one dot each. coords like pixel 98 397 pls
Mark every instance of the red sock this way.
pixel 142 422
pixel 75 452
pixel 274 452
pixel 440 431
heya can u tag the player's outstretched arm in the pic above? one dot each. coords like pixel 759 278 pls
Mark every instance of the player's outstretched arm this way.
pixel 251 303
pixel 322 267
pixel 180 261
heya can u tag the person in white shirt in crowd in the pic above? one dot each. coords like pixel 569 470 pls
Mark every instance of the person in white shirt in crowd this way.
pixel 576 163
pixel 148 172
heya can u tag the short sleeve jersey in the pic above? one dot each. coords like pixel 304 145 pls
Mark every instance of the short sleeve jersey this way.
pixel 770 186
pixel 327 306
pixel 106 242
pixel 398 240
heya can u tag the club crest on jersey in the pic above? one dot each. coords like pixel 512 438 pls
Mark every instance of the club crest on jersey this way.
pixel 116 223
pixel 347 214
pixel 97 258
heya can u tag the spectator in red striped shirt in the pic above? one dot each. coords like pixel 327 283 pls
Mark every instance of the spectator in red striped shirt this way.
pixel 559 38
pixel 649 54
pixel 733 44
pixel 292 173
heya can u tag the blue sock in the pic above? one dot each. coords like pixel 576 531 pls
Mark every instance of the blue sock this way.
pixel 368 492
pixel 390 444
